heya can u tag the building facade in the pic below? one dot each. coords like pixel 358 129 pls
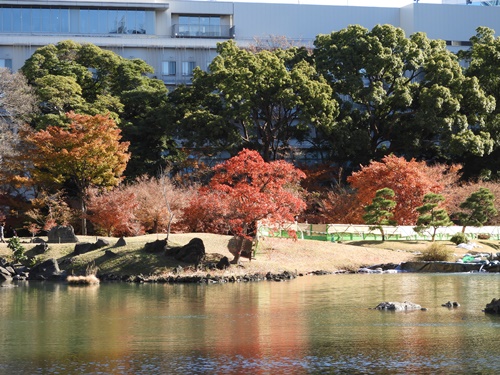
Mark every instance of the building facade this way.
pixel 176 36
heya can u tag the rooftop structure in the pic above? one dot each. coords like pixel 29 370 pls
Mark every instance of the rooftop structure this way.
pixel 176 36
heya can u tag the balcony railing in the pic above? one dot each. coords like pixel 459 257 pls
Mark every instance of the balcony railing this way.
pixel 202 31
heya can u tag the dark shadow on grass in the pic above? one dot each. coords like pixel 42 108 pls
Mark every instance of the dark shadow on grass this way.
pixel 364 243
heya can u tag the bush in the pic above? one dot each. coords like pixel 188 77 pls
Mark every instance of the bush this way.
pixel 437 252
pixel 15 245
pixel 459 238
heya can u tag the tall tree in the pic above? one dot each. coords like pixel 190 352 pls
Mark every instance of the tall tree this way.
pixel 477 209
pixel 408 179
pixel 259 100
pixel 17 105
pixel 483 63
pixel 86 79
pixel 400 95
pixel 88 152
pixel 431 215
pixel 246 189
pixel 380 211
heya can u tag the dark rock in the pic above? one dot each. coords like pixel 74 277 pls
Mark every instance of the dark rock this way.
pixel 193 252
pixel 157 246
pixel 110 253
pixel 37 240
pixel 121 242
pixel 398 306
pixel 5 271
pixel 47 270
pixel 450 304
pixel 493 307
pixel 3 262
pixel 82 248
pixel 62 234
pixel 223 264
pixel 101 242
pixel 41 248
pixel 4 278
pixel 20 270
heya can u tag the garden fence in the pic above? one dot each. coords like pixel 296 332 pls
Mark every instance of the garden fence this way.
pixel 353 232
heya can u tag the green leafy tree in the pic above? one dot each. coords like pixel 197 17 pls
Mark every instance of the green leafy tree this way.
pixel 400 95
pixel 478 208
pixel 482 60
pixel 380 211
pixel 259 100
pixel 431 215
pixel 86 79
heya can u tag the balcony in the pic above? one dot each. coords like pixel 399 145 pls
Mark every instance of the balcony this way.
pixel 202 31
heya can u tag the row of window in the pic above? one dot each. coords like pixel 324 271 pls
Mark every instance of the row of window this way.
pixel 76 21
pixel 169 68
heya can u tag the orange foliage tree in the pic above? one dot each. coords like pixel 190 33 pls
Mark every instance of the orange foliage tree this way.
pixel 86 153
pixel 410 181
pixel 159 202
pixel 244 190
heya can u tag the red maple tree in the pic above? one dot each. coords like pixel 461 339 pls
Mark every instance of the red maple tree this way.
pixel 113 211
pixel 410 181
pixel 244 190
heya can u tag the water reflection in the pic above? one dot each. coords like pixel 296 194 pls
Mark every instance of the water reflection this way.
pixel 316 324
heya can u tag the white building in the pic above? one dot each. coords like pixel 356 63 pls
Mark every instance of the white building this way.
pixel 175 36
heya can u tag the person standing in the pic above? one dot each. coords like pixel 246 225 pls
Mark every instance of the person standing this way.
pixel 2 228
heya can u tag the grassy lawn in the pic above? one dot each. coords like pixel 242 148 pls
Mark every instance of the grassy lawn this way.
pixel 273 254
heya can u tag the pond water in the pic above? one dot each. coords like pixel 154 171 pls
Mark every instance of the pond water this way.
pixel 311 325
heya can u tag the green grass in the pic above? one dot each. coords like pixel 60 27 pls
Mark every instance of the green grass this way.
pixel 129 259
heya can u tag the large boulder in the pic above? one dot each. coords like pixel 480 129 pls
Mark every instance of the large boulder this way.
pixel 41 248
pixel 398 306
pixel 62 234
pixel 101 242
pixel 5 275
pixel 493 307
pixel 193 252
pixel 47 270
pixel 158 246
pixel 240 247
pixel 82 248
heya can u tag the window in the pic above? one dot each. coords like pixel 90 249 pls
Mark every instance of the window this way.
pixel 199 26
pixel 169 68
pixel 82 21
pixel 6 63
pixel 188 67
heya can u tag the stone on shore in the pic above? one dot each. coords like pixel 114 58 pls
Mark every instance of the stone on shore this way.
pixel 493 307
pixel 398 306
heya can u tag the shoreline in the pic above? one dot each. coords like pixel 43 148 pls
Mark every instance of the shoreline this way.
pixel 276 259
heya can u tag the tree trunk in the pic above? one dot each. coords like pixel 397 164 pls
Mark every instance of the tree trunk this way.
pixel 84 219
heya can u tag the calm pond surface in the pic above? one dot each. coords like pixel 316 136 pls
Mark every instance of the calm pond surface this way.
pixel 311 325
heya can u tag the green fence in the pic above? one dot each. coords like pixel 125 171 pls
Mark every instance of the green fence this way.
pixel 340 233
